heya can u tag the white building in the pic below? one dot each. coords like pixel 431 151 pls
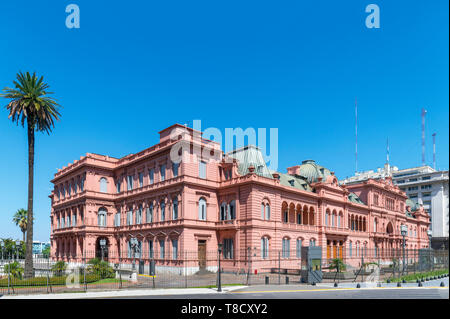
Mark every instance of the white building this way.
pixel 424 186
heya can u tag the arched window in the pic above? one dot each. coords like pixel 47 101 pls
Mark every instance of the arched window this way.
pixel 333 218
pixel 149 217
pixel 102 217
pixel 202 209
pixel 103 185
pixel 375 225
pixel 265 211
pixel 175 208
pixel 163 211
pixel 327 214
pixel 264 247
pixel 350 248
pixel 312 242
pixel 285 250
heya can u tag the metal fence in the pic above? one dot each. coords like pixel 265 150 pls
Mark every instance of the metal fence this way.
pixel 97 270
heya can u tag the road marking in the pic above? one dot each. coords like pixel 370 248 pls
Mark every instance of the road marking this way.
pixel 332 289
pixel 147 276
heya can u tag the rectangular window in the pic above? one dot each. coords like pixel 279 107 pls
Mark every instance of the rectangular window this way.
pixel 129 182
pixel 151 175
pixel 118 186
pixel 150 249
pixel 299 248
pixel 162 171
pixel 163 212
pixel 228 248
pixel 161 249
pixel 141 179
pixel 202 169
pixel 285 215
pixel 129 217
pixel 175 169
pixel 150 215
pixel 174 249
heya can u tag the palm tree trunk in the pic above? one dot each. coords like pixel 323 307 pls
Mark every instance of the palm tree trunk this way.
pixel 29 244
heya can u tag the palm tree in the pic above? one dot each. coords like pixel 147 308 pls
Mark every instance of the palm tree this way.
pixel 30 102
pixel 21 219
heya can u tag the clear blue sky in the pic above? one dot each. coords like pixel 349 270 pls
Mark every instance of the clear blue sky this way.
pixel 136 67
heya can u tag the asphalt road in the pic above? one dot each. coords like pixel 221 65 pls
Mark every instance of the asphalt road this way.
pixel 318 293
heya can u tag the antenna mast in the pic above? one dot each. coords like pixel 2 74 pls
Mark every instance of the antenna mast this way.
pixel 423 136
pixel 434 150
pixel 356 136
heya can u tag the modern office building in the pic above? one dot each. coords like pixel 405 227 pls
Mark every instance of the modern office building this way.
pixel 424 186
pixel 209 198
pixel 39 246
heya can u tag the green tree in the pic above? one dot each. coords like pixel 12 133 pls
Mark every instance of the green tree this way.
pixel 59 268
pixel 30 103
pixel 14 269
pixel 337 264
pixel 21 219
pixel 46 252
pixel 100 268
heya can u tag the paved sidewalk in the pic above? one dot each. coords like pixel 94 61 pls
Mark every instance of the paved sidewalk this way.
pixel 126 293
pixel 431 283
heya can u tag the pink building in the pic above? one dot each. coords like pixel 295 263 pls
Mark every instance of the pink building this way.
pixel 234 199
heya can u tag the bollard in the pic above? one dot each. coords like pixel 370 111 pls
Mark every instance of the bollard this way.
pixel 388 281
pixel 358 286
pixel 442 284
pixel 399 284
pixel 420 284
pixel 403 281
pixel 313 283
pixel 335 284
pixel 287 280
pixel 267 280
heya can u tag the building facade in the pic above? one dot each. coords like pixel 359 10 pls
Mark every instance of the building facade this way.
pixel 211 198
pixel 424 186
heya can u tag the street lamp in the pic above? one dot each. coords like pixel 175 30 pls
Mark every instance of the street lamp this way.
pixel 102 246
pixel 17 249
pixel 134 244
pixel 219 282
pixel 404 231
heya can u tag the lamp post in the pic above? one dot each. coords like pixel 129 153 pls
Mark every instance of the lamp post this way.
pixel 219 282
pixel 133 242
pixel 404 231
pixel 17 249
pixel 102 246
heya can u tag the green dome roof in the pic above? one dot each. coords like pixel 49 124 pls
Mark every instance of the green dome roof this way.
pixel 311 171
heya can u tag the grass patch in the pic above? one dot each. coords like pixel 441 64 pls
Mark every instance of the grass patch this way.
pixel 415 277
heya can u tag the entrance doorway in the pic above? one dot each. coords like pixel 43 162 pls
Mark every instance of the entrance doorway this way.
pixel 202 254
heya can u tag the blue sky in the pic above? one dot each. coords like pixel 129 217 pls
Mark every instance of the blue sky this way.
pixel 136 67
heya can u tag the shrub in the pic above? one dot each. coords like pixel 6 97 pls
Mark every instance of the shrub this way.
pixel 337 262
pixel 100 268
pixel 42 281
pixel 59 268
pixel 14 269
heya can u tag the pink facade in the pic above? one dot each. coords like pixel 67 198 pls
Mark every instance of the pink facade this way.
pixel 192 208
